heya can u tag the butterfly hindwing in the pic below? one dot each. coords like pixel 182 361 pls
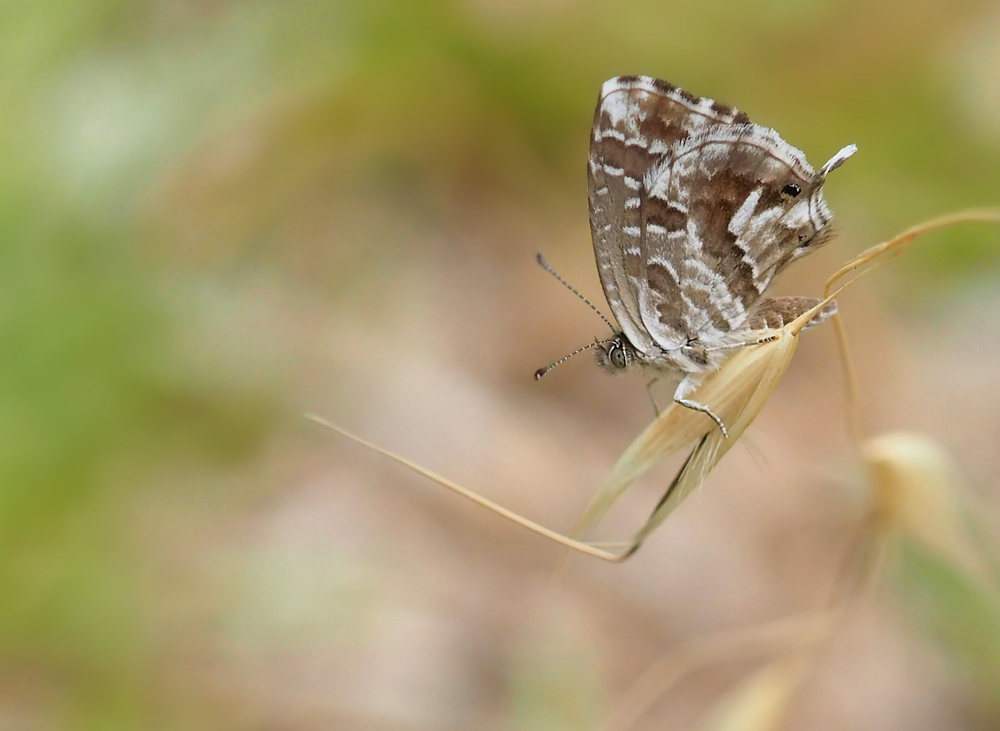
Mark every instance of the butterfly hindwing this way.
pixel 728 208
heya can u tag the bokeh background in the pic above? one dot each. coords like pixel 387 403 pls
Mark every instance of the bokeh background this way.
pixel 215 216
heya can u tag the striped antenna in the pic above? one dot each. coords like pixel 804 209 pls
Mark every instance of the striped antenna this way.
pixel 545 265
pixel 542 371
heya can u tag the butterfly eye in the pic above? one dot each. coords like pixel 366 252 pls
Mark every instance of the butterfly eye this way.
pixel 791 190
pixel 617 356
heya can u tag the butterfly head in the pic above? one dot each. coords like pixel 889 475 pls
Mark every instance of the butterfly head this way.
pixel 616 354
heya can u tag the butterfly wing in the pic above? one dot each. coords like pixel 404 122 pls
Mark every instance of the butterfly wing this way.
pixel 726 210
pixel 637 122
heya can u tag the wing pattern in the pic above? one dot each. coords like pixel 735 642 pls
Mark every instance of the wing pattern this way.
pixel 638 120
pixel 694 210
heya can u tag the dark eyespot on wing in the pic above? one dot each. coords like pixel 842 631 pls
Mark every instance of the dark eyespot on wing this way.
pixel 771 196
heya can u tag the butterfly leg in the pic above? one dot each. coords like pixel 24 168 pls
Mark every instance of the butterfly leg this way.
pixel 688 384
pixel 649 390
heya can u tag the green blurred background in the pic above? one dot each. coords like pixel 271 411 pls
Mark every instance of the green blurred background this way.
pixel 215 216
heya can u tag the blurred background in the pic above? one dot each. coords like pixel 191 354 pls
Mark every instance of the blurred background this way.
pixel 215 216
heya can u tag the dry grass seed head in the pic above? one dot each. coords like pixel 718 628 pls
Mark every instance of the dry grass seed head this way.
pixel 915 493
pixel 736 392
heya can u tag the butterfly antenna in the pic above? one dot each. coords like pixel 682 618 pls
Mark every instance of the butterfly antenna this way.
pixel 545 265
pixel 542 371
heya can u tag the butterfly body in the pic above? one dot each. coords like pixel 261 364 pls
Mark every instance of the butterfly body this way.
pixel 618 355
pixel 694 210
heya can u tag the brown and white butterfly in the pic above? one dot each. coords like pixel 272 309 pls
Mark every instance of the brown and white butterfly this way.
pixel 694 210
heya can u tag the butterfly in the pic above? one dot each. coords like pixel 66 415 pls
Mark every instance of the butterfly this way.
pixel 694 210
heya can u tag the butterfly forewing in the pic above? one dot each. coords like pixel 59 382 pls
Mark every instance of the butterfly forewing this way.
pixel 638 120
